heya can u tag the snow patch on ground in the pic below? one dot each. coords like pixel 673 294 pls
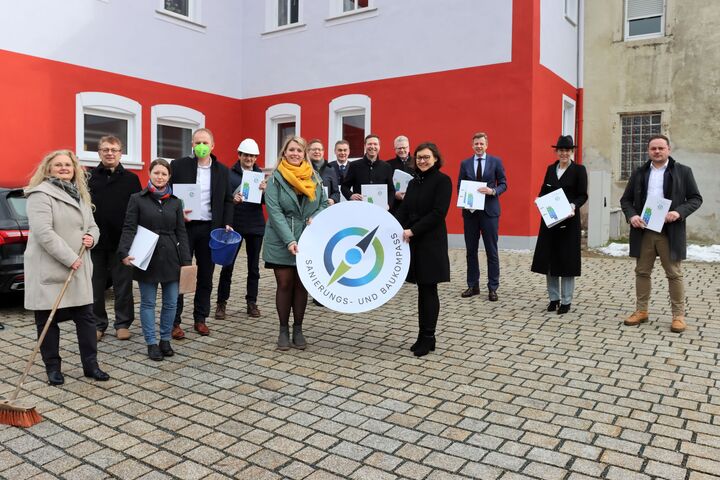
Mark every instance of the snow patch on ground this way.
pixel 696 253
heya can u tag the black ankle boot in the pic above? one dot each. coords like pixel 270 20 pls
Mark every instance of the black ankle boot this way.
pixel 154 352
pixel 166 348
pixel 427 345
pixel 563 309
pixel 553 305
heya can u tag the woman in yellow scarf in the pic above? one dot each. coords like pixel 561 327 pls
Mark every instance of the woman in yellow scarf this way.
pixel 294 195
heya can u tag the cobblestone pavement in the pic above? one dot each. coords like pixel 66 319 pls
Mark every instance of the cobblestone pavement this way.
pixel 511 391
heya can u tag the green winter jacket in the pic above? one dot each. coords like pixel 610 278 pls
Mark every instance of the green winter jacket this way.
pixel 287 217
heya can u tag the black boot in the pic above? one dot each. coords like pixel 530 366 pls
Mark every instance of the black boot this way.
pixel 427 345
pixel 553 305
pixel 154 352
pixel 563 309
pixel 166 348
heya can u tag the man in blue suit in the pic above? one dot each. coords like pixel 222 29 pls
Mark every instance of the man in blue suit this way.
pixel 482 167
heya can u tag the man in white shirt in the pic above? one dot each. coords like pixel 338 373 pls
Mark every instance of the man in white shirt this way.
pixel 216 211
pixel 660 177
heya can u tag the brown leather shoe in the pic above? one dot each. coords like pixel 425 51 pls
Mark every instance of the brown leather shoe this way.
pixel 252 310
pixel 202 329
pixel 122 334
pixel 99 334
pixel 470 292
pixel 492 296
pixel 678 324
pixel 220 311
pixel 636 318
pixel 177 332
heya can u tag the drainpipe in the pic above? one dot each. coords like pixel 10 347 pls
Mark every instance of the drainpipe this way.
pixel 579 103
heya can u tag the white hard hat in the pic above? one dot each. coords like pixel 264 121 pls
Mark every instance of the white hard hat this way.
pixel 249 146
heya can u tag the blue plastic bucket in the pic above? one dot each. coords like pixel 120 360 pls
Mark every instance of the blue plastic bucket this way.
pixel 223 246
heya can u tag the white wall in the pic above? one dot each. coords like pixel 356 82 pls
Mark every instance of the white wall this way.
pixel 558 41
pixel 130 38
pixel 406 37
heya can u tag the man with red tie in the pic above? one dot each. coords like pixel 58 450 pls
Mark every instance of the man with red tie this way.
pixel 482 167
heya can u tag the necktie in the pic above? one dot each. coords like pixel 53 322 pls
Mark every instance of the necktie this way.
pixel 478 174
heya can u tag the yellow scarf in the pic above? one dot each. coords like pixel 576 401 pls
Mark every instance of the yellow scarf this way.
pixel 300 177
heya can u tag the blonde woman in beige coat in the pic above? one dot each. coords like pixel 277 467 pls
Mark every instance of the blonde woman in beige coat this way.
pixel 61 221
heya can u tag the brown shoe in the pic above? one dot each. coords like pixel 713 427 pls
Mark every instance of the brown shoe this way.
pixel 220 311
pixel 678 324
pixel 470 292
pixel 492 296
pixel 122 334
pixel 252 310
pixel 99 334
pixel 636 318
pixel 202 329
pixel 177 332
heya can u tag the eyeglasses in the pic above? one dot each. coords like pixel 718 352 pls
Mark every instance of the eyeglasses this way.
pixel 109 150
pixel 423 158
pixel 402 148
pixel 316 149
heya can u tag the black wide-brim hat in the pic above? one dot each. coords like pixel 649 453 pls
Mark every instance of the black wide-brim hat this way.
pixel 564 142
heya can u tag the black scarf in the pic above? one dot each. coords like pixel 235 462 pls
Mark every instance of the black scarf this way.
pixel 70 188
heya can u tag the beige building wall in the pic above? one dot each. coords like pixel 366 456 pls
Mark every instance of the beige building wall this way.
pixel 677 74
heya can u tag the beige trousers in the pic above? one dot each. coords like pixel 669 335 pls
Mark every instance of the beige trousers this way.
pixel 656 245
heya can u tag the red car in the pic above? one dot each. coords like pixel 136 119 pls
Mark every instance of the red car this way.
pixel 13 239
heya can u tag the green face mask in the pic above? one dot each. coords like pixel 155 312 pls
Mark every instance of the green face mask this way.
pixel 201 150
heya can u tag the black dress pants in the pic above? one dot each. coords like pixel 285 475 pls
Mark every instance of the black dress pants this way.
pixel 85 328
pixel 107 264
pixel 198 233
pixel 428 308
pixel 253 245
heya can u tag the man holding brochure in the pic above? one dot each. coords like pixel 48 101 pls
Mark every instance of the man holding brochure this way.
pixel 209 181
pixel 482 167
pixel 248 221
pixel 368 170
pixel 661 177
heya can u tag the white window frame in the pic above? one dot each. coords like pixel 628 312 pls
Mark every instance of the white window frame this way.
pixel 275 115
pixel 568 116
pixel 353 104
pixel 193 20
pixel 661 33
pixel 336 15
pixel 571 11
pixel 113 106
pixel 271 18
pixel 172 116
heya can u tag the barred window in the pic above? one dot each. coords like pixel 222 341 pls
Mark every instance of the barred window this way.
pixel 637 128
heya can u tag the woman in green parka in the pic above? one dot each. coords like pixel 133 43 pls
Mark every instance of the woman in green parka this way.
pixel 293 196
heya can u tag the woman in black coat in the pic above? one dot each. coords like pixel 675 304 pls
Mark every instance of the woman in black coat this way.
pixel 422 216
pixel 557 252
pixel 156 209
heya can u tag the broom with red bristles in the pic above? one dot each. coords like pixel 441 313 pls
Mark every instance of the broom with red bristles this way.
pixel 12 411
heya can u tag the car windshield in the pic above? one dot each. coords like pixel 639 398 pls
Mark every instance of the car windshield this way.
pixel 18 205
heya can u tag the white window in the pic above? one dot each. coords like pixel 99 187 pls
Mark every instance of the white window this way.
pixel 281 121
pixel 350 120
pixel 568 116
pixel 342 11
pixel 171 128
pixel 644 19
pixel 186 13
pixel 98 114
pixel 571 11
pixel 283 15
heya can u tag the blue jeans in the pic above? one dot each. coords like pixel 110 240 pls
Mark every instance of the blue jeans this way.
pixel 560 288
pixel 148 298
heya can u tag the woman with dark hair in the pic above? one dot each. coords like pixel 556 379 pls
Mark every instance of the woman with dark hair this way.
pixel 61 223
pixel 293 196
pixel 422 216
pixel 557 252
pixel 156 209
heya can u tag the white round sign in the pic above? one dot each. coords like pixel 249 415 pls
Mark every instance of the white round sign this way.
pixel 352 257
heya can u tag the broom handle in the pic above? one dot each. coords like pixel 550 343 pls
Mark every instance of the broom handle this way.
pixel 45 329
